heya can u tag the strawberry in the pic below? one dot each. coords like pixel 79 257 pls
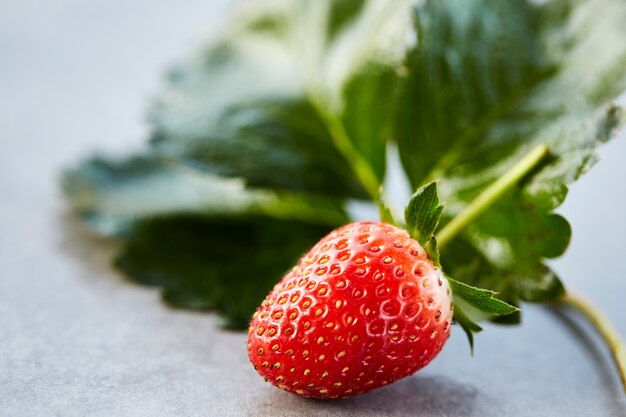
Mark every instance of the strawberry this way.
pixel 363 308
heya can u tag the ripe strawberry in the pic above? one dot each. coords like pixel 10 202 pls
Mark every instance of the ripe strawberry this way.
pixel 363 308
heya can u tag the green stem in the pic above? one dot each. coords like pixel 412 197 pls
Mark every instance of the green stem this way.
pixel 604 328
pixel 491 194
pixel 358 164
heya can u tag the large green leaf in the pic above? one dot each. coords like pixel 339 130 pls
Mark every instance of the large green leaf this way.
pixel 487 81
pixel 268 129
pixel 296 95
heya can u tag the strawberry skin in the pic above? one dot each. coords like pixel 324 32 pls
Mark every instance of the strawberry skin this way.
pixel 363 308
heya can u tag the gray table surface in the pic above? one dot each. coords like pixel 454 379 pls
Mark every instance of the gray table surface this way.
pixel 76 339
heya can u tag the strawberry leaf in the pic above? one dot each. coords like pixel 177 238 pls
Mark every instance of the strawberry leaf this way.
pixel 252 137
pixel 486 82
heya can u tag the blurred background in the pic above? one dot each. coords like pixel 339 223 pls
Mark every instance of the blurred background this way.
pixel 76 339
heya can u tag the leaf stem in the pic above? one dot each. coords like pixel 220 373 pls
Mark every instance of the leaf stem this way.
pixel 605 329
pixel 358 164
pixel 491 194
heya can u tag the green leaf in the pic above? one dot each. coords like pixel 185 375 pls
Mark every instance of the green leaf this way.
pixel 480 298
pixel 223 264
pixel 295 95
pixel 486 82
pixel 261 130
pixel 423 212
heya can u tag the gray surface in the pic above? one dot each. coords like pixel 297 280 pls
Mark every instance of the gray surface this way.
pixel 76 339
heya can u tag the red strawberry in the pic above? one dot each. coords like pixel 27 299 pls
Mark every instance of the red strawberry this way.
pixel 363 308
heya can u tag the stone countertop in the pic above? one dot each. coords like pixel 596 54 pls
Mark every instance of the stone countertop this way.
pixel 77 339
